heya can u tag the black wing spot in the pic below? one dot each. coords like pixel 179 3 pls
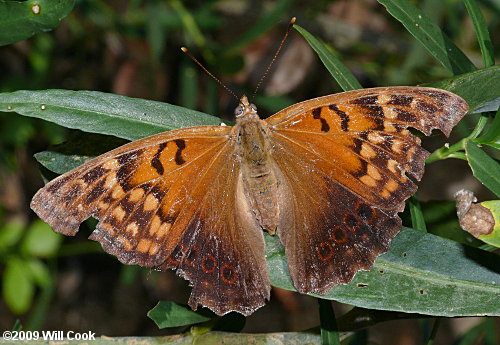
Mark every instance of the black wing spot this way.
pixel 96 192
pixel 426 107
pixel 362 171
pixel 406 116
pixel 344 118
pixel 94 174
pixel 365 100
pixel 155 162
pixel 402 100
pixel 181 145
pixel 325 127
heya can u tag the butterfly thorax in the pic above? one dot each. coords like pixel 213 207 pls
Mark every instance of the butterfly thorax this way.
pixel 260 185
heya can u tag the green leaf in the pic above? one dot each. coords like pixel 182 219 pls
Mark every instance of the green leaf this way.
pixel 417 217
pixel 17 284
pixel 104 113
pixel 21 20
pixel 170 314
pixel 483 37
pixel 40 240
pixel 492 136
pixel 421 273
pixel 484 168
pixel 337 69
pixel 38 271
pixel 80 148
pixel 485 90
pixel 492 238
pixel 437 43
pixel 10 233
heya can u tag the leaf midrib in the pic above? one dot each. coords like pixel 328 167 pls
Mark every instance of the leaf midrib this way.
pixel 104 114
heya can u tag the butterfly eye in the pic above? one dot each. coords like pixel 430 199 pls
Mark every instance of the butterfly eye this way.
pixel 238 111
pixel 254 107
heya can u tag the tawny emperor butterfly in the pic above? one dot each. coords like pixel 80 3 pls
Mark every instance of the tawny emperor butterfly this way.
pixel 328 175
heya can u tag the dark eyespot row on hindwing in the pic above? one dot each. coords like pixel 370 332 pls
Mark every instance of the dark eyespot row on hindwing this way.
pixel 353 235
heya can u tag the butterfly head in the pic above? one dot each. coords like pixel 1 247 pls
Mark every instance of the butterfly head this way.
pixel 245 108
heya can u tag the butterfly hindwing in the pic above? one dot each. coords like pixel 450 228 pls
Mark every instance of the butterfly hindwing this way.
pixel 168 201
pixel 329 233
pixel 349 163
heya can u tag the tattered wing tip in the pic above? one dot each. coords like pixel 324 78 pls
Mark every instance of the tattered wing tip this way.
pixel 60 223
pixel 454 109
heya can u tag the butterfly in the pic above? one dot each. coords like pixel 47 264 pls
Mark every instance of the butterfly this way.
pixel 327 175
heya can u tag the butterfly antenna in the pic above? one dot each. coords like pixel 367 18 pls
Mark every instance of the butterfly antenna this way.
pixel 185 50
pixel 290 26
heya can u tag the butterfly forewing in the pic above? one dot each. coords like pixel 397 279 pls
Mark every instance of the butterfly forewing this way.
pixel 349 163
pixel 360 137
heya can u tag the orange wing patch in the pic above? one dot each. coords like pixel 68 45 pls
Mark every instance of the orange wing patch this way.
pixel 360 137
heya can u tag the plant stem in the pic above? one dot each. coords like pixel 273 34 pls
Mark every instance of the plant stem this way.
pixel 328 323
pixel 435 328
pixel 448 152
pixel 483 120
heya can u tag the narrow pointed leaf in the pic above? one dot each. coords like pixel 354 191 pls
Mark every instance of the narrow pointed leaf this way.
pixel 484 168
pixel 437 43
pixel 417 217
pixel 492 136
pixel 483 37
pixel 337 69
pixel 104 113
pixel 328 323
